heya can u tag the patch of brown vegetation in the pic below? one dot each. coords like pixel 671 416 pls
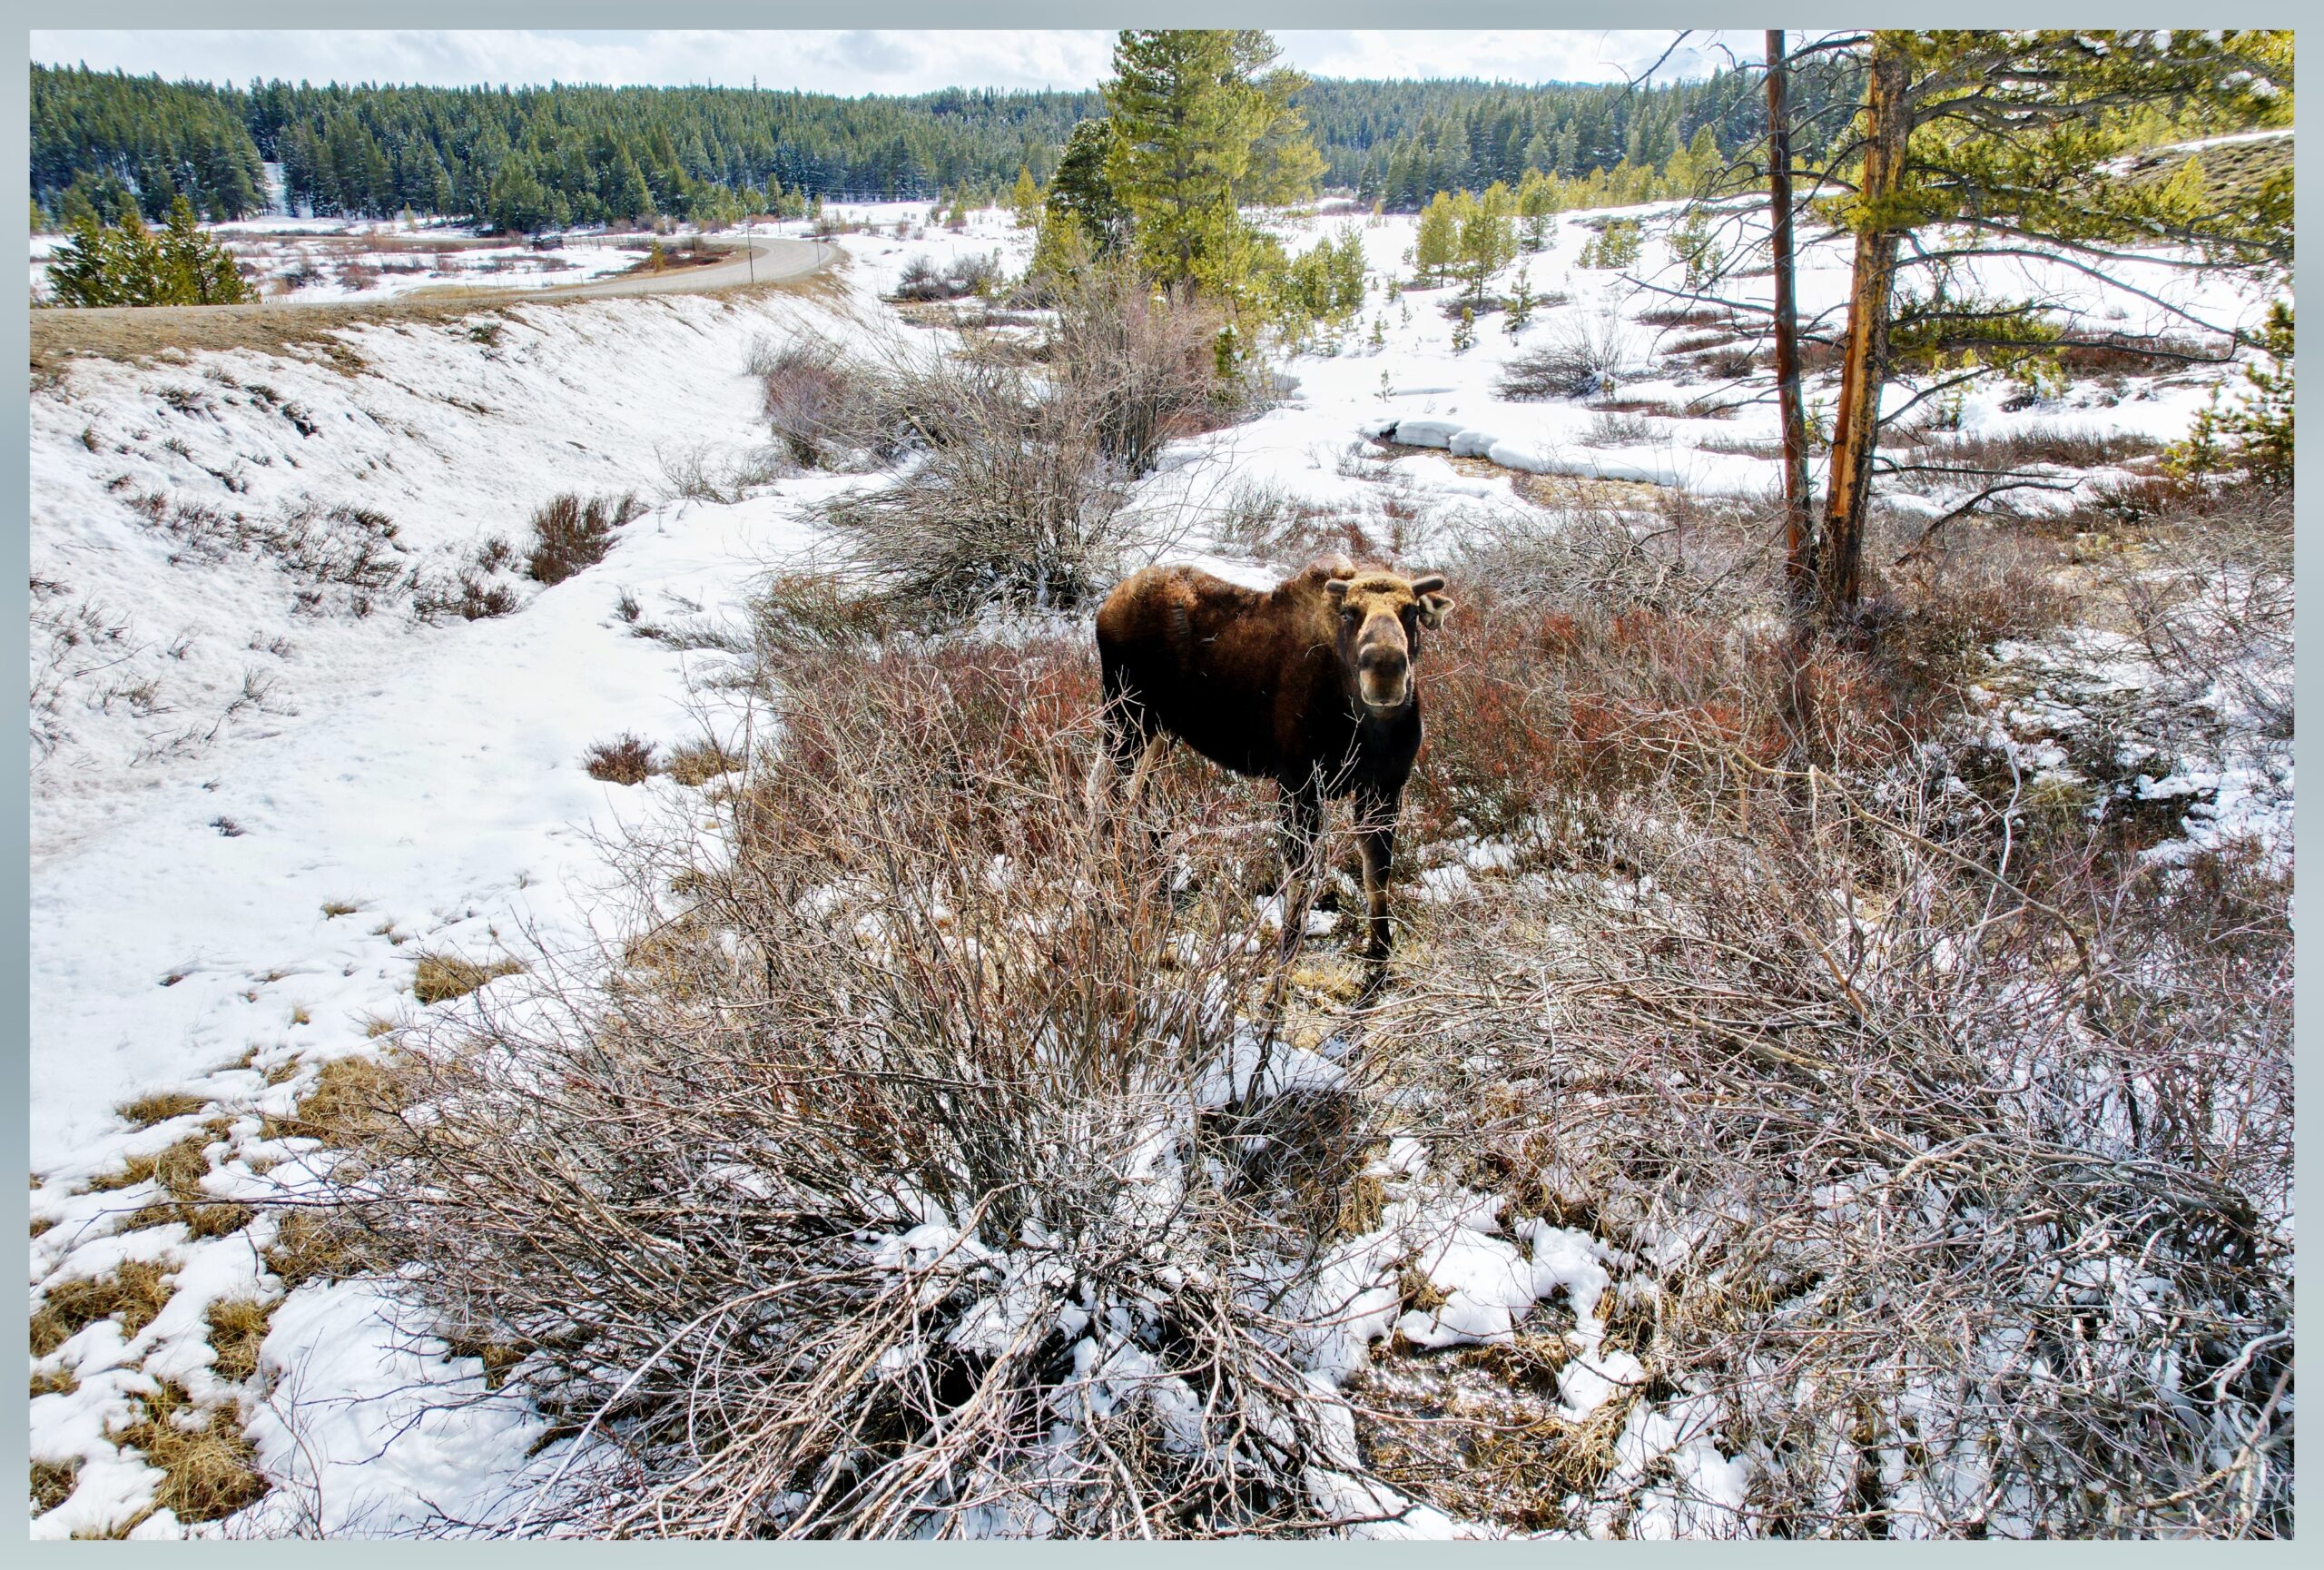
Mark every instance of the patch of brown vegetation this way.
pixel 570 534
pixel 1477 1433
pixel 625 760
pixel 699 762
pixel 209 1465
pixel 57 1381
pixel 442 977
pixel 308 1246
pixel 130 1295
pixel 352 1098
pixel 52 1483
pixel 179 1168
pixel 1578 493
pixel 200 1220
pixel 237 1326
pixel 159 1108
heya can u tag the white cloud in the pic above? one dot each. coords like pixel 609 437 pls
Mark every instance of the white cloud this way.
pixel 842 61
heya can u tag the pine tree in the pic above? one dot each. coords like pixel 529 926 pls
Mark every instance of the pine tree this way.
pixel 1202 124
pixel 1438 242
pixel 185 267
pixel 1487 244
pixel 1081 191
pixel 135 261
pixel 1025 199
pixel 1521 301
pixel 2020 129
pixel 80 273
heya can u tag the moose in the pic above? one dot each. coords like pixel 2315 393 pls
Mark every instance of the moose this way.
pixel 1309 684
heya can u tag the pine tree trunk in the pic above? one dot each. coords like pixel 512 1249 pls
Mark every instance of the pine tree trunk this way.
pixel 1863 361
pixel 1799 528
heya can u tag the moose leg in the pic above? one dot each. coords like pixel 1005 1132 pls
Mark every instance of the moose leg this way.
pixel 1302 823
pixel 1134 746
pixel 1375 833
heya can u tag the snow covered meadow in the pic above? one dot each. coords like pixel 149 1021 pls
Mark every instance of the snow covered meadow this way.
pixel 306 735
pixel 305 261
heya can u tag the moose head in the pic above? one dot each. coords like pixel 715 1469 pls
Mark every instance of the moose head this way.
pixel 1380 617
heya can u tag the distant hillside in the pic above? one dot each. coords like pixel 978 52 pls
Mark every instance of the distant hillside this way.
pixel 559 154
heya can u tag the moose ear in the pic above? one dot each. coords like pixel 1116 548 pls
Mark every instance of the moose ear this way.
pixel 1336 588
pixel 1435 607
pixel 1429 585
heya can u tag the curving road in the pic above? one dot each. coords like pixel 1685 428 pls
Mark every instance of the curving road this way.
pixel 762 261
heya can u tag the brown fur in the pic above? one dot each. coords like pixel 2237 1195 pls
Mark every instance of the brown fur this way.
pixel 1310 684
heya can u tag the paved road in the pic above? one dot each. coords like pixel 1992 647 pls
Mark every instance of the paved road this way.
pixel 130 330
pixel 765 262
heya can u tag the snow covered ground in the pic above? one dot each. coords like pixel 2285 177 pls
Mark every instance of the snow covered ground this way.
pixel 225 748
pixel 352 265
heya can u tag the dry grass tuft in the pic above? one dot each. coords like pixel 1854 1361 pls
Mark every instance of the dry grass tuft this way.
pixel 237 1328
pixel 179 1168
pixel 160 1107
pixel 353 1097
pixel 52 1483
pixel 333 909
pixel 310 1245
pixel 443 977
pixel 699 762
pixel 56 1381
pixel 1478 1434
pixel 209 1465
pixel 131 1295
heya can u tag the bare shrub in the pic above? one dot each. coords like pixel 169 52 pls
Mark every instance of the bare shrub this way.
pixel 569 534
pixel 466 596
pixel 1144 367
pixel 1266 523
pixel 920 1174
pixel 701 471
pixel 1022 474
pixel 1610 428
pixel 2035 444
pixel 1918 1164
pixel 2215 609
pixel 806 616
pixel 1017 501
pixel 807 393
pixel 341 546
pixel 1943 600
pixel 625 760
pixel 970 274
pixel 1587 357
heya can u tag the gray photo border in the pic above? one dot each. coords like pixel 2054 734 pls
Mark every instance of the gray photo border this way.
pixel 774 15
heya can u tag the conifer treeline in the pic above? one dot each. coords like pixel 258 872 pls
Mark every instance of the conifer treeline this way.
pixel 531 157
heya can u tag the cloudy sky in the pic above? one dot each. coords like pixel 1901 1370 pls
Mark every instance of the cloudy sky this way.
pixel 848 63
